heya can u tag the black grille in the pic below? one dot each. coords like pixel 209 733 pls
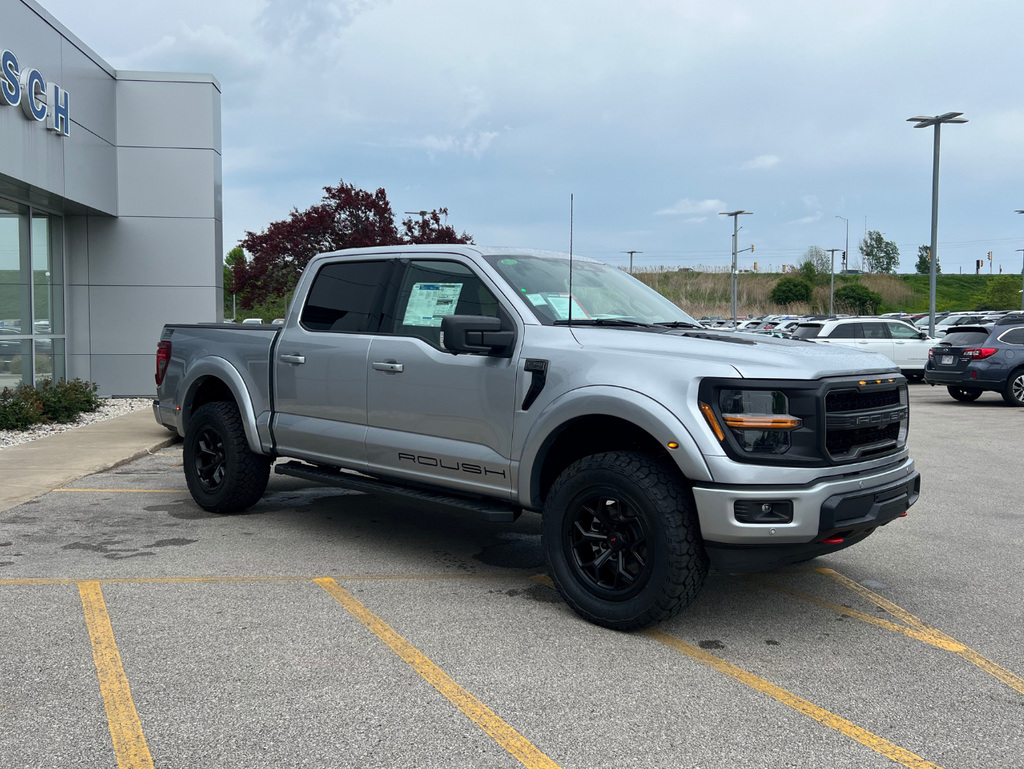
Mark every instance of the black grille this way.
pixel 840 442
pixel 853 400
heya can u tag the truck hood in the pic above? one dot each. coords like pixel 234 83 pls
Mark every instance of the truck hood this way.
pixel 754 356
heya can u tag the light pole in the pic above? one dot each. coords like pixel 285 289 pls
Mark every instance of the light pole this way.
pixel 832 292
pixel 1021 211
pixel 735 272
pixel 631 259
pixel 924 122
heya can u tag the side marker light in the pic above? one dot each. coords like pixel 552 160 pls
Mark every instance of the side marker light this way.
pixel 709 415
pixel 832 541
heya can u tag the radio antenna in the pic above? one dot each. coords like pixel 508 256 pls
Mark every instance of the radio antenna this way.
pixel 570 258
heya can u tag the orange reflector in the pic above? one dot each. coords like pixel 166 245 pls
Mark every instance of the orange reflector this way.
pixel 709 415
pixel 744 422
pixel 673 445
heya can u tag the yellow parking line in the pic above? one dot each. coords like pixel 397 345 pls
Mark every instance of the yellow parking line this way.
pixel 518 746
pixel 132 491
pixel 282 578
pixel 125 729
pixel 177 464
pixel 822 716
pixel 931 635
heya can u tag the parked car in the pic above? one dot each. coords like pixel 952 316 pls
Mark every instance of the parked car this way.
pixel 949 321
pixel 903 344
pixel 253 321
pixel 654 447
pixel 972 359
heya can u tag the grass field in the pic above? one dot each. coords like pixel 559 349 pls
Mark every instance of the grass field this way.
pixel 708 293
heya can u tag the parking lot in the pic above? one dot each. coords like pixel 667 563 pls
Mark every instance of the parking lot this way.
pixel 326 628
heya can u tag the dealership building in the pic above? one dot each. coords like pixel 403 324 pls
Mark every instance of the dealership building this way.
pixel 110 207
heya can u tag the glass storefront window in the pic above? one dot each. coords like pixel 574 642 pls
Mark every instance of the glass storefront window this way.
pixel 31 295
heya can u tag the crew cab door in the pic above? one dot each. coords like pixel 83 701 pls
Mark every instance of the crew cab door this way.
pixel 320 364
pixel 432 416
pixel 909 349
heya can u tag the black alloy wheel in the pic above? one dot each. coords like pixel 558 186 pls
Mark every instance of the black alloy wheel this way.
pixel 210 458
pixel 1014 391
pixel 606 544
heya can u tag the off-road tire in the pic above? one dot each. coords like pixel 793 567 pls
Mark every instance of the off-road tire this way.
pixel 243 474
pixel 678 562
pixel 965 394
pixel 1013 392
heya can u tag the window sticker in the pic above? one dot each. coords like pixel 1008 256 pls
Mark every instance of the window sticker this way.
pixel 537 300
pixel 430 302
pixel 559 304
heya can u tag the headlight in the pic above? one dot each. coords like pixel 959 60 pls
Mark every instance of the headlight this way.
pixel 759 419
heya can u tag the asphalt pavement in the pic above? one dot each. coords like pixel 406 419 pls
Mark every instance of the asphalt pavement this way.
pixel 139 629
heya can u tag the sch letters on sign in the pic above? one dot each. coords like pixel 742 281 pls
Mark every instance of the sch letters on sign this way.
pixel 39 100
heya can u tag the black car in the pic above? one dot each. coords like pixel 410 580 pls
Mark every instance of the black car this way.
pixel 972 359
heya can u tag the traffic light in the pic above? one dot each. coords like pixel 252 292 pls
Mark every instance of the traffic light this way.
pixel 751 248
pixel 990 256
pixel 755 263
pixel 977 266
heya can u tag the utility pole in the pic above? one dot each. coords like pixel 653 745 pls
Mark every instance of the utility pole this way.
pixel 832 290
pixel 735 271
pixel 923 121
pixel 631 259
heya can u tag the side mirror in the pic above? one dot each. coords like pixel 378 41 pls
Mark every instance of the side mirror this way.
pixel 922 334
pixel 476 334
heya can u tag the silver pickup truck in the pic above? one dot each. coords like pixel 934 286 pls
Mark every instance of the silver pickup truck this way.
pixel 503 380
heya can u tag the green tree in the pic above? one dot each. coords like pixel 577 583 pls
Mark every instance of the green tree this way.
pixel 858 299
pixel 815 265
pixel 880 255
pixel 924 265
pixel 1004 293
pixel 231 258
pixel 790 290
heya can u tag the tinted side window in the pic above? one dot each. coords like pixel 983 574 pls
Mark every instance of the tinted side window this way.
pixel 902 331
pixel 966 338
pixel 807 330
pixel 433 289
pixel 873 331
pixel 1013 336
pixel 347 296
pixel 843 331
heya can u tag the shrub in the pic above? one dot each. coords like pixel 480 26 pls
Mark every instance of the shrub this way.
pixel 64 401
pixel 1003 294
pixel 858 299
pixel 19 408
pixel 790 290
pixel 51 402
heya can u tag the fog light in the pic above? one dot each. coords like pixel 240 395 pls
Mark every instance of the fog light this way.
pixel 764 511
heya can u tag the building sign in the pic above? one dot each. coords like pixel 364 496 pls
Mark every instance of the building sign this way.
pixel 39 99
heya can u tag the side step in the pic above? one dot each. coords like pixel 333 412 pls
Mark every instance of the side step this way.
pixel 489 510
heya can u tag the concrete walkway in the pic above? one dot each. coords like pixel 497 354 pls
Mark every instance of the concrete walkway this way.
pixel 31 469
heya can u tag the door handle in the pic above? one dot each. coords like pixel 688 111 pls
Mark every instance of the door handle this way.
pixel 292 358
pixel 861 342
pixel 394 368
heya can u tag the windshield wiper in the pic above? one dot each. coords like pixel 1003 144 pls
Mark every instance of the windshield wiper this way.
pixel 603 322
pixel 678 324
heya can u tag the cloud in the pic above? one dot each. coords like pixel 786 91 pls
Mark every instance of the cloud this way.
pixel 761 162
pixel 296 23
pixel 807 219
pixel 697 219
pixel 474 144
pixel 687 206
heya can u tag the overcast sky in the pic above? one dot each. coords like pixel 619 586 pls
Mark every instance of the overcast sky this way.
pixel 656 114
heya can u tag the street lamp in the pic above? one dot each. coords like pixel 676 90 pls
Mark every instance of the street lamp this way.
pixel 631 259
pixel 1021 211
pixel 735 273
pixel 832 292
pixel 924 121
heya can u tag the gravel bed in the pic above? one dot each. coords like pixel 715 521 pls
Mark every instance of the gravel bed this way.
pixel 112 407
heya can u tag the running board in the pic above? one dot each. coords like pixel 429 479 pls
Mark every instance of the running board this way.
pixel 489 510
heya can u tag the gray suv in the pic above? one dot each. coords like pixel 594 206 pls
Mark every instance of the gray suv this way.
pixel 503 380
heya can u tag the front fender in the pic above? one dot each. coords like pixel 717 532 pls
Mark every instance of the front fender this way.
pixel 213 366
pixel 605 400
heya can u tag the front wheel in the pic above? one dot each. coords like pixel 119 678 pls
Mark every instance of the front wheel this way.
pixel 223 474
pixel 622 540
pixel 1013 393
pixel 965 394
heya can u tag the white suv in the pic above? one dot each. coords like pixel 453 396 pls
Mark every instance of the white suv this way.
pixel 903 344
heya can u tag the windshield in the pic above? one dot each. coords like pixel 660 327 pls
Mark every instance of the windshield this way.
pixel 598 291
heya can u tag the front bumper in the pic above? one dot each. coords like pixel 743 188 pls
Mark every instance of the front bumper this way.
pixel 851 507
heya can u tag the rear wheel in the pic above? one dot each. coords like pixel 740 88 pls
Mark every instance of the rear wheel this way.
pixel 1013 393
pixel 621 536
pixel 965 394
pixel 224 475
